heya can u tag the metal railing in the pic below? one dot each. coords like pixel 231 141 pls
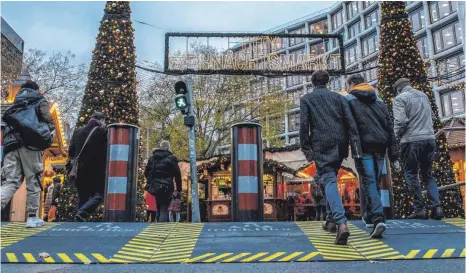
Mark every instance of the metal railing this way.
pixel 446 187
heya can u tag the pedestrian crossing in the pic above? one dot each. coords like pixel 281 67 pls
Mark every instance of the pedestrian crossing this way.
pixel 460 222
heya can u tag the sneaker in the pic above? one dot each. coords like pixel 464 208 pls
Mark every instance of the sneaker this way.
pixel 368 223
pixel 420 214
pixel 437 213
pixel 329 226
pixel 342 235
pixel 379 228
pixel 34 222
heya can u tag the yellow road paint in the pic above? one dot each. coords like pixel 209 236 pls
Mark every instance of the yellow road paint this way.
pixel 29 258
pixel 253 257
pixel 82 258
pixel 219 257
pixel 11 258
pixel 236 257
pixel 65 258
pixel 49 260
pixel 308 257
pixel 273 256
pixel 100 258
pixel 289 257
pixel 195 259
pixel 412 253
pixel 430 254
pixel 448 253
pixel 462 253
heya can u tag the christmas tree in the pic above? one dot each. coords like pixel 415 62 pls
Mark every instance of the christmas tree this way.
pixel 400 58
pixel 111 88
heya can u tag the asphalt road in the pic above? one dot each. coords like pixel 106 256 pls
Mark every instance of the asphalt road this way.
pixel 418 266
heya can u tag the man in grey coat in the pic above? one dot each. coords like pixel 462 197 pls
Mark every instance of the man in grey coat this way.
pixel 413 125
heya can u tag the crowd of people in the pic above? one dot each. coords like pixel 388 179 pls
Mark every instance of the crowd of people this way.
pixel 331 122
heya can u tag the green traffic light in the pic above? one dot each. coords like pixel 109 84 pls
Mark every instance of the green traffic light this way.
pixel 181 102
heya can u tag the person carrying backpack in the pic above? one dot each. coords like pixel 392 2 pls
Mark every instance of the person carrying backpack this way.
pixel 319 199
pixel 23 159
pixel 89 148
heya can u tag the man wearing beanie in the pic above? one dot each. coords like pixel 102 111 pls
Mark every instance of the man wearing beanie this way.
pixel 413 125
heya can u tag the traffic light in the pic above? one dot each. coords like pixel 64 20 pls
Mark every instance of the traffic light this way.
pixel 181 99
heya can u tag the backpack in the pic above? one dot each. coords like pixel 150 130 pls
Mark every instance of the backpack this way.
pixel 317 191
pixel 22 118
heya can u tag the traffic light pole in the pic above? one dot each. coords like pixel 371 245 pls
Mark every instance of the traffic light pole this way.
pixel 195 215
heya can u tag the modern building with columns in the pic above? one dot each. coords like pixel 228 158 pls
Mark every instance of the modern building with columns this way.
pixel 438 28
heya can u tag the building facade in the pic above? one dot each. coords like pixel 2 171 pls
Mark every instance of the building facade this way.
pixel 12 56
pixel 438 28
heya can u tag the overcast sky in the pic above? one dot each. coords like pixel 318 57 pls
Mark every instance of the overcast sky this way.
pixel 63 26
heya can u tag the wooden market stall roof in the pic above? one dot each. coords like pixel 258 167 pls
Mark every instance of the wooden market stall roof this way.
pixel 455 132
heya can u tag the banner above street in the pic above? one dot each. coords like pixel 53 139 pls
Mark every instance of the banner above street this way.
pixel 253 53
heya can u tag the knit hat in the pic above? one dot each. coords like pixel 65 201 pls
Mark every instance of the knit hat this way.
pixel 400 82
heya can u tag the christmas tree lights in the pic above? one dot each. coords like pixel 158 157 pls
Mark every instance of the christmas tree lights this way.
pixel 399 57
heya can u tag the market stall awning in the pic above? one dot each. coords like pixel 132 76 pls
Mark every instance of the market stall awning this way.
pixel 310 171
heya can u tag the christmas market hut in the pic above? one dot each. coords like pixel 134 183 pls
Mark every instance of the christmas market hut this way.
pixel 215 189
pixel 54 159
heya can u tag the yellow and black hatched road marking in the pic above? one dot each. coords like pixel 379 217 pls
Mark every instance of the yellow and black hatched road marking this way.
pixel 144 245
pixel 248 257
pixel 66 258
pixel 15 232
pixel 460 222
pixel 324 243
pixel 179 244
pixel 372 249
pixel 436 253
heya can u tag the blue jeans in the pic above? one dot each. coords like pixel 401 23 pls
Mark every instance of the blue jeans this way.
pixel 420 155
pixel 370 171
pixel 337 211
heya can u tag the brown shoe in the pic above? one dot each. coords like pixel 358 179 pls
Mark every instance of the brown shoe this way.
pixel 329 226
pixel 342 235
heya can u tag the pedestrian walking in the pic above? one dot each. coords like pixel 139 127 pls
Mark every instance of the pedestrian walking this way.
pixel 151 207
pixel 318 199
pixel 160 171
pixel 89 147
pixel 376 134
pixel 413 124
pixel 24 145
pixel 175 207
pixel 51 199
pixel 327 128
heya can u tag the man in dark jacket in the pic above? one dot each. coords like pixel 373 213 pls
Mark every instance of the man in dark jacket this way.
pixel 25 162
pixel 327 127
pixel 90 181
pixel 413 125
pixel 160 171
pixel 376 133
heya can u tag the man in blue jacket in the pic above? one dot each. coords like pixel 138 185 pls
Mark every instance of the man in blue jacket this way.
pixel 376 134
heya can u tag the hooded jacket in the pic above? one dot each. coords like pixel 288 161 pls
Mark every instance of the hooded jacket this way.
pixel 13 140
pixel 374 123
pixel 162 168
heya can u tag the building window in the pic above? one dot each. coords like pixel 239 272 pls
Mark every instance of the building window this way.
pixel 366 4
pixel 294 140
pixel 370 74
pixel 337 19
pixel 319 27
pixel 318 49
pixel 447 37
pixel 278 124
pixel 293 122
pixel 337 84
pixel 352 9
pixel 422 46
pixel 441 9
pixel 417 19
pixel 453 103
pixel 450 69
pixel 295 41
pixel 294 96
pixel 369 45
pixel 354 30
pixel 350 55
pixel 293 81
pixel 275 83
pixel 372 19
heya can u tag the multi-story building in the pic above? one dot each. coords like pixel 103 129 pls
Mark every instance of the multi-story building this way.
pixel 438 28
pixel 12 56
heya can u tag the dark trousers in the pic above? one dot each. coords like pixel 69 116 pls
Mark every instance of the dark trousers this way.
pixel 163 200
pixel 151 216
pixel 88 201
pixel 321 210
pixel 420 155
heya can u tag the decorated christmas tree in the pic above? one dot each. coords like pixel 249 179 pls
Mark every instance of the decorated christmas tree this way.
pixel 400 58
pixel 111 89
